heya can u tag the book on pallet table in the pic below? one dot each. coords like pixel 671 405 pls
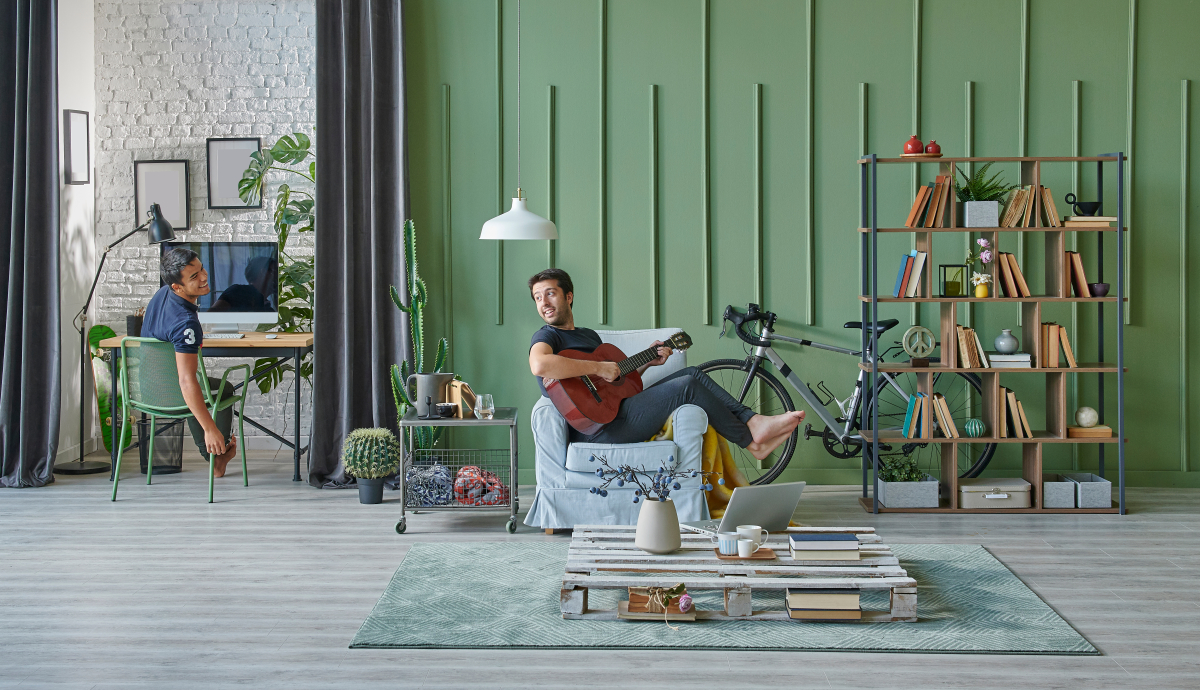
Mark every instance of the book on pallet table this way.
pixel 823 604
pixel 824 541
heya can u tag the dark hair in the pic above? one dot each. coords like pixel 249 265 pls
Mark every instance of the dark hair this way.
pixel 556 274
pixel 173 262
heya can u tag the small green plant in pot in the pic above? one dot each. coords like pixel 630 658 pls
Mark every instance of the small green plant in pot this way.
pixel 371 456
pixel 903 485
pixel 981 196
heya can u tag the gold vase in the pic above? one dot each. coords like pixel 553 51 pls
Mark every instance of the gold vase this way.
pixel 981 291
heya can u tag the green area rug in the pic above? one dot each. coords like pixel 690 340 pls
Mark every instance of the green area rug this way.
pixel 482 595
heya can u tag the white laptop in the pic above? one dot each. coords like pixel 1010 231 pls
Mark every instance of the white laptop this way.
pixel 769 506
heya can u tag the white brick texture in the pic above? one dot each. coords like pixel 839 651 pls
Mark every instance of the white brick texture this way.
pixel 170 74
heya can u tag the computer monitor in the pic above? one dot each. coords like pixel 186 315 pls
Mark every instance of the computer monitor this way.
pixel 244 282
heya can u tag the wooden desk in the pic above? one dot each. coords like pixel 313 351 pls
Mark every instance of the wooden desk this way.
pixel 286 346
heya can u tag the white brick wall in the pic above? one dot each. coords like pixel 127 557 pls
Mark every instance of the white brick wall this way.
pixel 170 74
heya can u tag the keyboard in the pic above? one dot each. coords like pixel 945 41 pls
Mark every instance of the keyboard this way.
pixel 224 336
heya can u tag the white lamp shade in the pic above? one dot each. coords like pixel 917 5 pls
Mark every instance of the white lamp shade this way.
pixel 519 224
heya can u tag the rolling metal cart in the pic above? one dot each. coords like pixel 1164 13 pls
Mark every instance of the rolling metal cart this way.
pixel 490 460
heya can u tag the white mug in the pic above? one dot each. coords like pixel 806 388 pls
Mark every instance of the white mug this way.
pixel 727 543
pixel 747 547
pixel 754 533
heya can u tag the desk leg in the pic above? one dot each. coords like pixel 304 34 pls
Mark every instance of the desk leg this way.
pixel 116 414
pixel 296 438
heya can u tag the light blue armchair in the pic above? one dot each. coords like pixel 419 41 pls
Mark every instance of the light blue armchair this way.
pixel 564 473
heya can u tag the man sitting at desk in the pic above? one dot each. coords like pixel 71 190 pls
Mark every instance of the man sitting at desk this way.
pixel 171 317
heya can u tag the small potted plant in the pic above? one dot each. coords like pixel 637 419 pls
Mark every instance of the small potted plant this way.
pixel 982 256
pixel 658 522
pixel 903 485
pixel 981 198
pixel 370 456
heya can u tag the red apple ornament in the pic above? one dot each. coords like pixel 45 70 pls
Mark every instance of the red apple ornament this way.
pixel 914 145
pixel 933 147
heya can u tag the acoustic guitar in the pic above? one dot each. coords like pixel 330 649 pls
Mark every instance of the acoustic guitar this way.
pixel 590 402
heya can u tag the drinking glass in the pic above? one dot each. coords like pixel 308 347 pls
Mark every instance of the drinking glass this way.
pixel 484 409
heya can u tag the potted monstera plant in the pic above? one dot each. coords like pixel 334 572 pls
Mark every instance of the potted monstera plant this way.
pixel 903 485
pixel 980 197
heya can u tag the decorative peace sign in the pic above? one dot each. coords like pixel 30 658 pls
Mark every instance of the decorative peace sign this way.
pixel 918 342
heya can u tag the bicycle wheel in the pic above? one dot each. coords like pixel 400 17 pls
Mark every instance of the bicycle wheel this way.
pixel 962 391
pixel 767 397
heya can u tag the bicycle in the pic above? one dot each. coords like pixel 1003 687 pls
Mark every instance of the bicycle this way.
pixel 748 382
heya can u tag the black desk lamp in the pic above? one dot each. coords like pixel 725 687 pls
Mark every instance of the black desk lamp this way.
pixel 160 231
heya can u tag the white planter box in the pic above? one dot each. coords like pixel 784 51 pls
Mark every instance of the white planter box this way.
pixel 981 214
pixel 922 494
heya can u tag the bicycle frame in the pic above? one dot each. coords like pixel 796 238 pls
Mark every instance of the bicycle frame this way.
pixel 849 407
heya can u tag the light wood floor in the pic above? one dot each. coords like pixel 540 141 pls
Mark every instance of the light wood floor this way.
pixel 266 587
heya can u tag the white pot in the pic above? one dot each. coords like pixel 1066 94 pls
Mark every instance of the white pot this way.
pixel 658 527
pixel 981 214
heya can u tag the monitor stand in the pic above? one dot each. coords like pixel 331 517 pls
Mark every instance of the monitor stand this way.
pixel 222 328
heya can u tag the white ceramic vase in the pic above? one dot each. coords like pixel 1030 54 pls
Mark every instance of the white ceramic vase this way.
pixel 1006 343
pixel 658 527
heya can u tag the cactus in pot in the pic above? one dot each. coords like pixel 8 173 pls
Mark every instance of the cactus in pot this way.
pixel 370 455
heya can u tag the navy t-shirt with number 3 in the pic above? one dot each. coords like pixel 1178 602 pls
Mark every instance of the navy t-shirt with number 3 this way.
pixel 173 319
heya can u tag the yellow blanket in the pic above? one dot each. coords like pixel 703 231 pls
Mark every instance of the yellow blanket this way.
pixel 715 458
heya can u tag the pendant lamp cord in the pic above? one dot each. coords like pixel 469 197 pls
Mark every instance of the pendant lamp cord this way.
pixel 518 96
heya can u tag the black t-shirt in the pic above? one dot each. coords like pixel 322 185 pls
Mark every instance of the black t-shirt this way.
pixel 582 339
pixel 171 318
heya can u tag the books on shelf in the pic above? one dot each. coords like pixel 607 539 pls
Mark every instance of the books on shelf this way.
pixel 1013 422
pixel 945 420
pixel 918 419
pixel 970 349
pixel 1076 276
pixel 1022 286
pixel 908 277
pixel 825 541
pixel 1031 204
pixel 914 281
pixel 1050 208
pixel 938 201
pixel 1054 339
pixel 1016 360
pixel 918 207
pixel 1089 221
pixel 823 604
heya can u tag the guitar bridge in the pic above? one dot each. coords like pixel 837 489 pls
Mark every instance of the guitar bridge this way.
pixel 591 388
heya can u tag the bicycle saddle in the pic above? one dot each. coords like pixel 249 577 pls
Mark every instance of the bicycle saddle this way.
pixel 884 325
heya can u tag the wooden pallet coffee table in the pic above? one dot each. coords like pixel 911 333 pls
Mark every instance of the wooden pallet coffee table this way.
pixel 604 557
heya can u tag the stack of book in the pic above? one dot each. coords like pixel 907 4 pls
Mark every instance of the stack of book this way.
pixel 1021 208
pixel 970 349
pixel 639 602
pixel 831 546
pixel 1012 281
pixel 929 208
pixel 923 411
pixel 1013 422
pixel 824 604
pixel 1054 338
pixel 1089 221
pixel 1075 275
pixel 1017 360
pixel 908 279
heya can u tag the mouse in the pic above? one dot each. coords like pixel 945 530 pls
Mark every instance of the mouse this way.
pixel 271 336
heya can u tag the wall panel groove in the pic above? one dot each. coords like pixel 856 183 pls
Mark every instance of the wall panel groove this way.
pixel 914 311
pixel 655 277
pixel 810 261
pixel 1131 112
pixel 757 157
pixel 447 229
pixel 1073 243
pixel 705 173
pixel 1185 142
pixel 499 157
pixel 602 249
pixel 551 175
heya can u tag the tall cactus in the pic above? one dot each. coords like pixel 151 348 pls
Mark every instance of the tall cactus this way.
pixel 424 437
pixel 371 453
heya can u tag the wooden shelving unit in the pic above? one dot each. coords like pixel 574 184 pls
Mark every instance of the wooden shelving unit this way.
pixel 1057 289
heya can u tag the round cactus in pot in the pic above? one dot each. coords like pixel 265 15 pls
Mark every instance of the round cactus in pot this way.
pixel 371 455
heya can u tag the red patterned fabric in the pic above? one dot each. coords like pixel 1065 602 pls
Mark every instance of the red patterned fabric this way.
pixel 476 487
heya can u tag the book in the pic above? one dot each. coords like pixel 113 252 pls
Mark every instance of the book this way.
pixel 830 555
pixel 1066 347
pixel 1091 218
pixel 983 362
pixel 914 427
pixel 639 602
pixel 1052 346
pixel 926 416
pixel 908 416
pixel 1098 431
pixel 826 599
pixel 1014 357
pixel 1018 277
pixel 940 401
pixel 935 202
pixel 927 211
pixel 1014 417
pixel 1013 364
pixel 824 540
pixel 1005 206
pixel 1044 330
pixel 1030 206
pixel 1015 209
pixel 917 207
pixel 914 281
pixel 947 187
pixel 1051 210
pixel 900 276
pixel 1078 276
pixel 1086 224
pixel 824 615
pixel 1024 419
pixel 1005 277
pixel 1003 412
pixel 964 348
pixel 941 421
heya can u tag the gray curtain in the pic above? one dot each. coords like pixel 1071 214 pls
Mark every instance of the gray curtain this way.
pixel 362 201
pixel 29 328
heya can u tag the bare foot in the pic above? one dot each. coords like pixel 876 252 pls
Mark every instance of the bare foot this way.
pixel 222 460
pixel 761 450
pixel 765 428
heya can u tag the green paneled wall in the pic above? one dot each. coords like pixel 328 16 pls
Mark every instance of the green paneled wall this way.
pixel 681 130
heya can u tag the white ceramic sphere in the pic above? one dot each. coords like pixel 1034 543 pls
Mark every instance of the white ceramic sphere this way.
pixel 1086 417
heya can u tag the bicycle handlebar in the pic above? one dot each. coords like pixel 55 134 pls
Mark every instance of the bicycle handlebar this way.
pixel 738 319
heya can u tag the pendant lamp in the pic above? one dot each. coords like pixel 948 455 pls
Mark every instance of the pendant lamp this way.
pixel 519 223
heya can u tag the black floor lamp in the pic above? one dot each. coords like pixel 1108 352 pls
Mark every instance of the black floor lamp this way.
pixel 160 231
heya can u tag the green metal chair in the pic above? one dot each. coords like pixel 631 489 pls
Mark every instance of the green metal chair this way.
pixel 150 385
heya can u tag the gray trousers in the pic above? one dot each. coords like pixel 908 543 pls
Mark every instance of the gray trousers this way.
pixel 224 418
pixel 643 415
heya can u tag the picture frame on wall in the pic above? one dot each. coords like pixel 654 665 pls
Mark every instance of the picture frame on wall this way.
pixel 228 159
pixel 77 152
pixel 162 182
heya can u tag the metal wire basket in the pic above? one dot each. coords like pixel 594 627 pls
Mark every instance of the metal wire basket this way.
pixel 458 478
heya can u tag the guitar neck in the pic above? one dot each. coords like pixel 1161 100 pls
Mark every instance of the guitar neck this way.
pixel 644 357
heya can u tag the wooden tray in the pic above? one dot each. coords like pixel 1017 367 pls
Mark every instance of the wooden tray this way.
pixel 920 155
pixel 763 554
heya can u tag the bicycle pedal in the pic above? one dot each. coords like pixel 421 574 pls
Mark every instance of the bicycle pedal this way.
pixel 807 431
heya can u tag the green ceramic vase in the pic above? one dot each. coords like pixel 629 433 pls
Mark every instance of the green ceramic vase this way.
pixel 973 428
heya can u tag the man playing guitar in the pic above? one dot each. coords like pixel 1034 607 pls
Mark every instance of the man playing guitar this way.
pixel 641 416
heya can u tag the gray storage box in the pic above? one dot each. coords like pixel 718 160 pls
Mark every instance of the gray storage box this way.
pixel 993 492
pixel 1057 492
pixel 1091 491
pixel 922 494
